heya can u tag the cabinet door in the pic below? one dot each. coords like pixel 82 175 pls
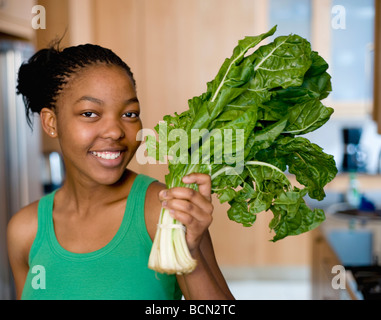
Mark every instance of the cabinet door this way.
pixel 323 261
pixel 16 17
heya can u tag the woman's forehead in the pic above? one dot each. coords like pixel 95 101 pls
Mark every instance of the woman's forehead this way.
pixel 103 82
pixel 99 75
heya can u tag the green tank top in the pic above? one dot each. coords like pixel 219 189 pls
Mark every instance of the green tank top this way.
pixel 116 271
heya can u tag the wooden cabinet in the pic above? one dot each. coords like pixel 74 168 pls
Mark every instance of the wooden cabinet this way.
pixel 325 271
pixel 323 259
pixel 16 17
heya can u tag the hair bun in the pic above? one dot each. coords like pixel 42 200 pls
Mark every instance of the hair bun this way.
pixel 34 76
pixel 44 75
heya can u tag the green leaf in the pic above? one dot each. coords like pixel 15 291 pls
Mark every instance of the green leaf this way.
pixel 281 63
pixel 294 223
pixel 263 138
pixel 312 167
pixel 231 67
pixel 307 117
pixel 240 213
pixel 226 194
pixel 271 95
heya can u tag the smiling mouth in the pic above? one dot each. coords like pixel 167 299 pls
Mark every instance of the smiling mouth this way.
pixel 108 155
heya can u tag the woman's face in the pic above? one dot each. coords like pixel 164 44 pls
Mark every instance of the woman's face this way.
pixel 97 123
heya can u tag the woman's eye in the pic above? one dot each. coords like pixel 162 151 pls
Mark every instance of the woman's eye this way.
pixel 130 115
pixel 89 114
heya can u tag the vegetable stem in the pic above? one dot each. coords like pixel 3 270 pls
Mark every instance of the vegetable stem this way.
pixel 170 253
pixel 258 163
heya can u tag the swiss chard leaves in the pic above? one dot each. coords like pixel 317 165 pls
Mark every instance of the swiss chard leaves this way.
pixel 273 95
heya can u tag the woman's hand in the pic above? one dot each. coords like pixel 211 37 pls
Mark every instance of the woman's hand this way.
pixel 192 208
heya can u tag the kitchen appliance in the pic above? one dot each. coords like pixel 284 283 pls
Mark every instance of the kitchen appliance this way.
pixel 19 152
pixel 368 281
pixel 354 157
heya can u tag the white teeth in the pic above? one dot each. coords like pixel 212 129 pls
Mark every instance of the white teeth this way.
pixel 106 155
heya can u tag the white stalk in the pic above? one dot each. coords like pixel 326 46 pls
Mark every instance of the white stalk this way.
pixel 170 253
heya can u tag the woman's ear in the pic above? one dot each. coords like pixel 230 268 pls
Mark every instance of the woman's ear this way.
pixel 49 122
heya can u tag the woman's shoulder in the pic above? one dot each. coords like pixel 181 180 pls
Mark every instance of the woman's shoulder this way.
pixel 155 187
pixel 152 206
pixel 22 229
pixel 152 195
pixel 26 216
pixel 23 224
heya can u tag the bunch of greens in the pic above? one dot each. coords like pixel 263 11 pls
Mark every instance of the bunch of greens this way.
pixel 273 96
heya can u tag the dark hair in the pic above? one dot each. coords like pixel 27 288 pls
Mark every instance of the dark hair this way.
pixel 43 76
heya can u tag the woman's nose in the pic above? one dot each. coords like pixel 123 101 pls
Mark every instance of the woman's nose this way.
pixel 112 129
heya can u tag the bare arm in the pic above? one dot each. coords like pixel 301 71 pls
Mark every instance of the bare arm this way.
pixel 194 210
pixel 206 282
pixel 21 232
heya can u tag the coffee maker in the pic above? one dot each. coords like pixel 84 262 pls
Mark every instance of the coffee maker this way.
pixel 354 159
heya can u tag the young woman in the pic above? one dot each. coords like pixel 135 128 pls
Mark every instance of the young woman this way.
pixel 91 238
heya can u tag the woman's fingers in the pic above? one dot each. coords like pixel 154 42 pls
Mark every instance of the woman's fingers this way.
pixel 204 183
pixel 186 199
pixel 189 208
pixel 192 208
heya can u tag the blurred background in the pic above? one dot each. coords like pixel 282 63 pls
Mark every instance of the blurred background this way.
pixel 174 47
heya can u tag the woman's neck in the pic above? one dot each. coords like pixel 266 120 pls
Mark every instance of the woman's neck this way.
pixel 84 196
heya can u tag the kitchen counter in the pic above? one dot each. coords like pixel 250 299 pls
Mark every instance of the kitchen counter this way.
pixel 342 222
pixel 368 185
pixel 336 190
pixel 330 280
pixel 366 225
pixel 367 182
pixel 326 262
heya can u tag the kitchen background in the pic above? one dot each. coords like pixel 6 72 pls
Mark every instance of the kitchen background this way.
pixel 174 47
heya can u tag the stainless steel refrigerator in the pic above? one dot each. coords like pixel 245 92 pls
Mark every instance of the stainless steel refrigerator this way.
pixel 20 152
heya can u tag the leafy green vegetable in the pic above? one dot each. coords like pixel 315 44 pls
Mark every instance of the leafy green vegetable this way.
pixel 273 96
